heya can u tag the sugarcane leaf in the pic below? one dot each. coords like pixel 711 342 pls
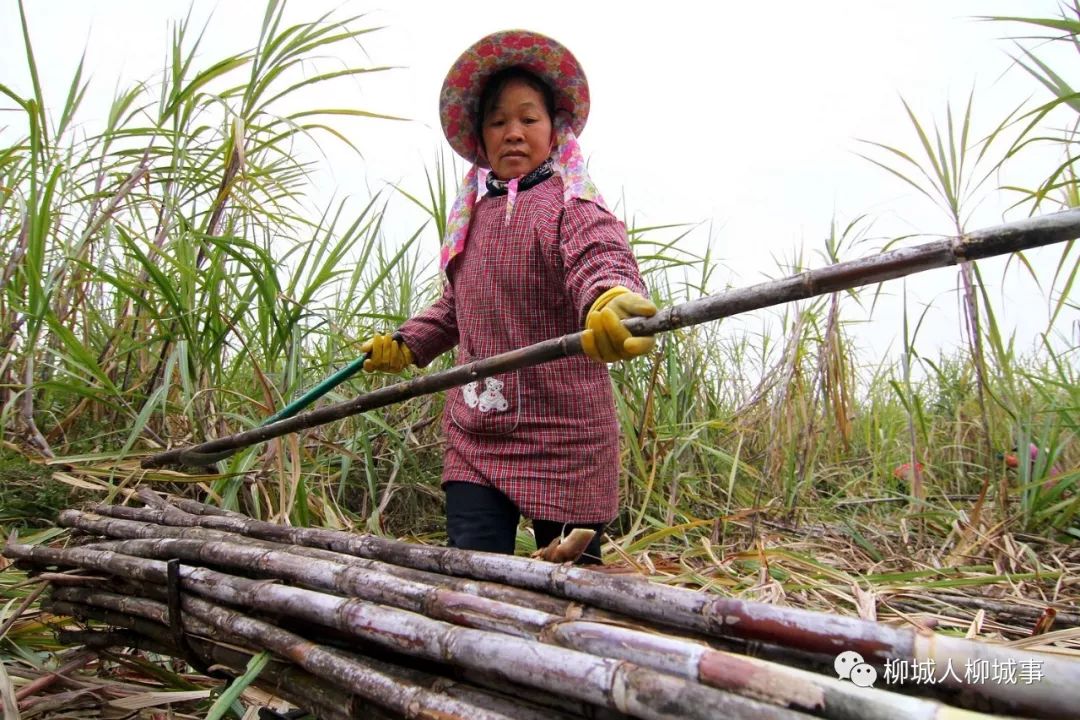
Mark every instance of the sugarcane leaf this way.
pixel 865 544
pixel 1071 27
pixel 1049 79
pixel 344 111
pixel 323 78
pixel 140 421
pixel 7 696
pixel 78 352
pixel 232 693
pixel 666 532
pixel 157 698
pixel 215 71
pixel 1066 290
pixel 11 94
pixel 889 169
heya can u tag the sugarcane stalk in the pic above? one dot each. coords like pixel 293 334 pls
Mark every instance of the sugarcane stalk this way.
pixel 138 528
pixel 114 527
pixel 301 689
pixel 559 607
pixel 679 658
pixel 146 617
pixel 41 683
pixel 131 522
pixel 109 523
pixel 430 600
pixel 617 684
pixel 1010 237
pixel 1013 612
pixel 99 640
pixel 401 697
pixel 558 702
pixel 295 685
pixel 620 685
pixel 507 699
pixel 1056 695
pixel 145 524
pixel 188 505
pixel 758 679
pixel 138 614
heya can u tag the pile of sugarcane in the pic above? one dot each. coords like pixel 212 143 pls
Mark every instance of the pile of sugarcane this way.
pixel 365 627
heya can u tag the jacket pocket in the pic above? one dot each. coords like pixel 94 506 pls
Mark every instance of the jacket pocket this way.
pixel 491 406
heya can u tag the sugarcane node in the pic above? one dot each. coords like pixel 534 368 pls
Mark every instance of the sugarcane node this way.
pixel 549 633
pixel 558 578
pixel 431 601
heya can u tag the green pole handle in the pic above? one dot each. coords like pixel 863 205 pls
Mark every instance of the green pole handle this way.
pixel 301 402
pixel 318 391
pixel 322 388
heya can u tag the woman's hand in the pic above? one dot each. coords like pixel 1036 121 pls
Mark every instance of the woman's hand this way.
pixel 387 354
pixel 605 339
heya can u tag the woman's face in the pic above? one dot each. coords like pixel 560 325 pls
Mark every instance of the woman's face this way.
pixel 517 131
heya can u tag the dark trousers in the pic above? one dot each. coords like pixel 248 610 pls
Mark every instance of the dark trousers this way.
pixel 483 518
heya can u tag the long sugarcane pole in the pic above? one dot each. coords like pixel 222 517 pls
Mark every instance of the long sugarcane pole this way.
pixel 999 240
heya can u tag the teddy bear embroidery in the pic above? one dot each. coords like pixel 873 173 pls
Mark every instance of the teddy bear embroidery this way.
pixel 490 399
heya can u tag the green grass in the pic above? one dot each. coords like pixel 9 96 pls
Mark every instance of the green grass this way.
pixel 171 286
pixel 29 496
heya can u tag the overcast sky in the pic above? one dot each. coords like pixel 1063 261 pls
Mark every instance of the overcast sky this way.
pixel 742 116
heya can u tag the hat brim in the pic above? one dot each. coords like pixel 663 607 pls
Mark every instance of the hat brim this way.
pixel 548 59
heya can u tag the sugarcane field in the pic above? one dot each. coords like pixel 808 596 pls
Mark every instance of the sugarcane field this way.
pixel 539 361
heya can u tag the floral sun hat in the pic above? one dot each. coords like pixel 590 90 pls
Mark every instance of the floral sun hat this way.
pixel 539 54
pixel 460 98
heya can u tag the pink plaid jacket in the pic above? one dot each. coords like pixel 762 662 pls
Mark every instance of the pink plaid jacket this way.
pixel 546 436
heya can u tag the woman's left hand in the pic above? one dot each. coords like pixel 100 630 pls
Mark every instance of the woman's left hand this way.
pixel 605 339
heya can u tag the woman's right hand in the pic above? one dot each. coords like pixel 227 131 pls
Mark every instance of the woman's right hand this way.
pixel 386 354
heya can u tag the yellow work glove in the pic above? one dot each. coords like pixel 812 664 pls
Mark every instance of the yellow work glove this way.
pixel 605 339
pixel 387 354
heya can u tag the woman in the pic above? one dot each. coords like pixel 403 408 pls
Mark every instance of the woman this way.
pixel 539 256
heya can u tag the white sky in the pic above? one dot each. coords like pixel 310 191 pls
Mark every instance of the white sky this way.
pixel 742 115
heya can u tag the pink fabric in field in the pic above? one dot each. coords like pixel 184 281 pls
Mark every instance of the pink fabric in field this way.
pixel 547 436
